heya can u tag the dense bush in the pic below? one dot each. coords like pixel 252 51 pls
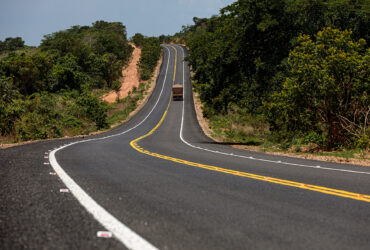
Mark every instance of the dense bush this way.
pixel 93 108
pixel 240 57
pixel 11 44
pixel 10 106
pixel 327 90
pixel 49 93
pixel 150 54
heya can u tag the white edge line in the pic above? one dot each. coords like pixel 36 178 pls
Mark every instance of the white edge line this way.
pixel 242 156
pixel 123 233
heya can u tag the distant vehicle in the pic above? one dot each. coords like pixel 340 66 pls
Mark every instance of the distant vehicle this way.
pixel 177 92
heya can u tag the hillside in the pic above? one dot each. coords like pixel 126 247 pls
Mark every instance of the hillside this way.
pixel 55 90
pixel 285 75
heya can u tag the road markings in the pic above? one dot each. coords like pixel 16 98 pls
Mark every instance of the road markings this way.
pixel 104 234
pixel 121 232
pixel 331 191
pixel 250 157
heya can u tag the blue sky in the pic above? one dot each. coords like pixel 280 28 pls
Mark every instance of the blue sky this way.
pixel 32 19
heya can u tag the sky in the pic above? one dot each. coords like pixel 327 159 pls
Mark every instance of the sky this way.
pixel 32 19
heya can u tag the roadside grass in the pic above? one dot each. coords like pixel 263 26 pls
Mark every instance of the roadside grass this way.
pixel 347 154
pixel 58 115
pixel 119 111
pixel 66 119
pixel 239 128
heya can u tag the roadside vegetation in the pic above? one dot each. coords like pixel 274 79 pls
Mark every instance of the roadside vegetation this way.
pixel 150 54
pixel 285 74
pixel 54 91
pixel 120 111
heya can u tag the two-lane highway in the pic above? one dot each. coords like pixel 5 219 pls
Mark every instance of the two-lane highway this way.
pixel 158 182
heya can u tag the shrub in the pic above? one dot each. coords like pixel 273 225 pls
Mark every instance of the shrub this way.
pixel 314 137
pixel 150 54
pixel 94 109
pixel 327 90
pixel 11 107
pixel 363 142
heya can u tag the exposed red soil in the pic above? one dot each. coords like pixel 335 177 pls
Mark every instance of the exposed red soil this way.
pixel 141 103
pixel 130 78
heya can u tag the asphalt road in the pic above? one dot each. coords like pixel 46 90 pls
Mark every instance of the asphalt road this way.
pixel 158 182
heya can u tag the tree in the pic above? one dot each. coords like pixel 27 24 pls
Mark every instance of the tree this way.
pixel 2 46
pixel 10 106
pixel 150 53
pixel 28 72
pixel 240 56
pixel 13 43
pixel 94 109
pixel 67 74
pixel 138 39
pixel 328 89
pixel 111 69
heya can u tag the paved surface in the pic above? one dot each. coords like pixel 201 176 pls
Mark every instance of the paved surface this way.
pixel 219 199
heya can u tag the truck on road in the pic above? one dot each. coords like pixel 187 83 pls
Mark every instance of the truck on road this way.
pixel 177 92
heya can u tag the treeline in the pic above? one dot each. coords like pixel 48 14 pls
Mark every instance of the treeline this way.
pixel 51 92
pixel 11 44
pixel 150 54
pixel 302 65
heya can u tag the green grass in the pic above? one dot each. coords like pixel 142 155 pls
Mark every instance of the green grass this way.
pixel 240 128
pixel 346 153
pixel 62 117
pixel 119 112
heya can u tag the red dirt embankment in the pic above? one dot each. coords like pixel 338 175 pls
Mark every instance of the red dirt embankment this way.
pixel 130 78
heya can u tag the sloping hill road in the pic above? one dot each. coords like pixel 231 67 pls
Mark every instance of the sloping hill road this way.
pixel 158 182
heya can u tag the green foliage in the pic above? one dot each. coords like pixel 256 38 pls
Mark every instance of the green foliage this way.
pixel 364 142
pixel 138 39
pixel 48 93
pixel 122 109
pixel 240 57
pixel 150 54
pixel 238 126
pixel 28 72
pixel 11 44
pixel 165 38
pixel 93 108
pixel 2 46
pixel 40 120
pixel 327 91
pixel 10 106
pixel 314 137
pixel 99 51
pixel 111 69
pixel 67 74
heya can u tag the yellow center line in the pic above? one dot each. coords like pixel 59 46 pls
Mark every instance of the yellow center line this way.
pixel 331 191
pixel 174 74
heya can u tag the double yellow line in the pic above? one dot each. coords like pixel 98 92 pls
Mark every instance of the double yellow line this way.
pixel 331 191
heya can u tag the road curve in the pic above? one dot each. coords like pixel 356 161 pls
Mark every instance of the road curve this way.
pixel 168 186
